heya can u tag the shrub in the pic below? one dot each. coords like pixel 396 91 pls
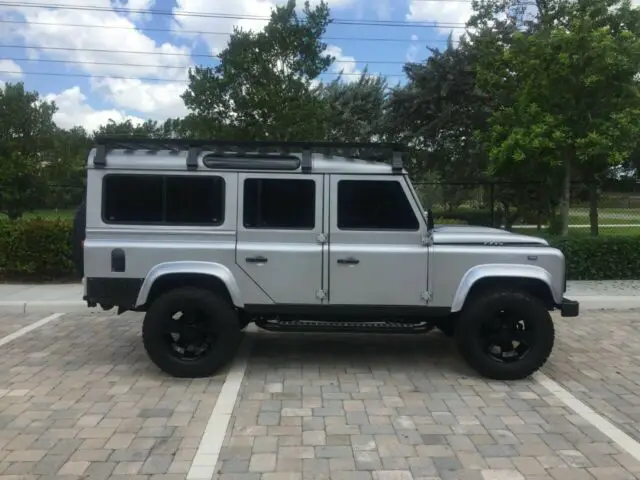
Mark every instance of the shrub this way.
pixel 40 250
pixel 479 218
pixel 448 221
pixel 36 249
pixel 600 258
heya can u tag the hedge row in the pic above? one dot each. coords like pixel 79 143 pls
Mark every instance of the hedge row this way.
pixel 41 250
pixel 36 250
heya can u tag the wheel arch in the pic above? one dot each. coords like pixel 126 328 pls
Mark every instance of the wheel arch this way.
pixel 209 275
pixel 529 278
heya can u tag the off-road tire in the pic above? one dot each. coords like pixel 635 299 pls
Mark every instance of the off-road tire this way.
pixel 77 238
pixel 529 308
pixel 219 311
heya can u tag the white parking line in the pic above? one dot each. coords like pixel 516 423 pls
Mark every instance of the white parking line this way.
pixel 206 458
pixel 620 438
pixel 29 328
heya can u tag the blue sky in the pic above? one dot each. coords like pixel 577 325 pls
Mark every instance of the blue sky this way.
pixel 98 76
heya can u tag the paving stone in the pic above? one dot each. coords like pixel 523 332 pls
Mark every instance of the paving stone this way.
pixel 80 398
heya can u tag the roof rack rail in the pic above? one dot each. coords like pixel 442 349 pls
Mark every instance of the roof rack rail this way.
pixel 238 149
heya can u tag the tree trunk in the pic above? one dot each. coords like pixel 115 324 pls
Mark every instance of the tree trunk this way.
pixel 565 198
pixel 593 207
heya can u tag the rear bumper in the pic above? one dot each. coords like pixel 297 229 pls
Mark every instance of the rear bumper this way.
pixel 569 308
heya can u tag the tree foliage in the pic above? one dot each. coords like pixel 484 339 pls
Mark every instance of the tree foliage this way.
pixel 26 141
pixel 566 91
pixel 261 87
pixel 542 90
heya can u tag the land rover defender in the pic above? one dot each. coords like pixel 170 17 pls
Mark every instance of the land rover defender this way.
pixel 206 237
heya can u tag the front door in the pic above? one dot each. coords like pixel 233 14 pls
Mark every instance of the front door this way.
pixel 279 224
pixel 376 254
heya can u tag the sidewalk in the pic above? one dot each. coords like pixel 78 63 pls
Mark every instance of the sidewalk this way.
pixel 614 294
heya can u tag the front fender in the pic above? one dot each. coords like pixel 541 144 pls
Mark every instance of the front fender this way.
pixel 187 267
pixel 480 272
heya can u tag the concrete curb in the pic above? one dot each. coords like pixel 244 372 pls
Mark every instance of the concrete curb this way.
pixel 596 302
pixel 612 302
pixel 46 306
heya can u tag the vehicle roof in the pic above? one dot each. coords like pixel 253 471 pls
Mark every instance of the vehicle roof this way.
pixel 167 160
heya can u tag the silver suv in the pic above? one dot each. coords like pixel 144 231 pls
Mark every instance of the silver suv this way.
pixel 209 236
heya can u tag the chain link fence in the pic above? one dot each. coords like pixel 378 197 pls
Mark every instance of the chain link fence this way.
pixel 531 205
pixel 517 206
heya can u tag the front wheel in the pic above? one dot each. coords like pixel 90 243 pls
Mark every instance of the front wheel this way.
pixel 505 335
pixel 191 332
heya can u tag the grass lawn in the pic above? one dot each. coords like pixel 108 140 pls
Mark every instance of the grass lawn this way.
pixel 603 231
pixel 47 214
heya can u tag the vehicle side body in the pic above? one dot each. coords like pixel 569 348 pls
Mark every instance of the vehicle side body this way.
pixel 410 272
pixel 321 270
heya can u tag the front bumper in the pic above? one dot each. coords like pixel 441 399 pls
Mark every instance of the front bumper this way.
pixel 569 308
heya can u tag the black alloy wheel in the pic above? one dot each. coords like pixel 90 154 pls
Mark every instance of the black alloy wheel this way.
pixel 505 334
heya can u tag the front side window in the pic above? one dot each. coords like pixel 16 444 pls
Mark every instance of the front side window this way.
pixel 163 199
pixel 374 205
pixel 279 204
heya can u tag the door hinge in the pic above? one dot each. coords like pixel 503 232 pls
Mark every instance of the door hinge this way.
pixel 322 238
pixel 426 296
pixel 321 294
pixel 427 240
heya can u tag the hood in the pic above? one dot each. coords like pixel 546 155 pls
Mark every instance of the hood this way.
pixel 469 235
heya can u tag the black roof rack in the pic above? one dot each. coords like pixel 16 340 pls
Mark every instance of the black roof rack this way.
pixel 273 150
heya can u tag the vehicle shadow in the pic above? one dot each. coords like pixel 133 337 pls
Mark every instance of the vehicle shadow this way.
pixel 431 354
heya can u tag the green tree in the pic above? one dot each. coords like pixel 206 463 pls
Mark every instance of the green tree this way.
pixel 566 92
pixel 26 140
pixel 65 171
pixel 436 113
pixel 261 88
pixel 147 129
pixel 356 111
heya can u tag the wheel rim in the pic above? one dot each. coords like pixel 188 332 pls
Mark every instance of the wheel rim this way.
pixel 188 333
pixel 506 337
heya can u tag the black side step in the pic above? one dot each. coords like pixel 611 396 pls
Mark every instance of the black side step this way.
pixel 346 327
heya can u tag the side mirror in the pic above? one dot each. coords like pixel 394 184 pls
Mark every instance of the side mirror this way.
pixel 430 222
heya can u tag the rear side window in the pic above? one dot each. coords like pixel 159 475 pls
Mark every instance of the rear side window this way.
pixel 164 200
pixel 279 204
pixel 374 205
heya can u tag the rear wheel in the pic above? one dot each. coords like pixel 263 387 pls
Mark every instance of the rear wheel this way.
pixel 191 332
pixel 505 335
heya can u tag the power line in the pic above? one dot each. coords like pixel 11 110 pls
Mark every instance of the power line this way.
pixel 205 32
pixel 152 79
pixel 82 62
pixel 147 65
pixel 173 54
pixel 338 21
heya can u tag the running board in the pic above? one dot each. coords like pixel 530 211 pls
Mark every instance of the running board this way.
pixel 316 326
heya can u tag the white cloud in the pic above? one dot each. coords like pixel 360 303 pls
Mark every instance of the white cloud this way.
pixel 441 13
pixel 103 52
pixel 73 111
pixel 10 70
pixel 412 51
pixel 156 100
pixel 343 63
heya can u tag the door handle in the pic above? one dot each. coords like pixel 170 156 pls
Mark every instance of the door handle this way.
pixel 348 261
pixel 258 259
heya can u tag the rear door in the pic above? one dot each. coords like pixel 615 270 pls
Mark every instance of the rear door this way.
pixel 278 236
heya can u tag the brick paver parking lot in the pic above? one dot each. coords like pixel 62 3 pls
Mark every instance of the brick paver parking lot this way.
pixel 80 400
